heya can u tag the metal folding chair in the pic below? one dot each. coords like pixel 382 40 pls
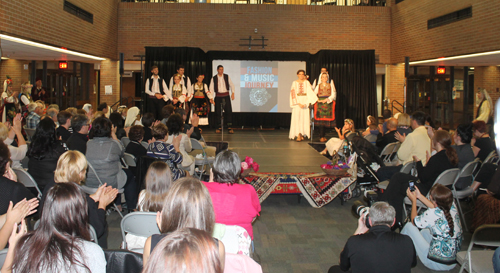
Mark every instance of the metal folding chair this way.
pixel 139 224
pixel 129 160
pixel 125 141
pixel 196 145
pixel 27 180
pixel 29 132
pixel 3 255
pixel 480 260
pixel 405 169
pixel 388 151
pixel 467 171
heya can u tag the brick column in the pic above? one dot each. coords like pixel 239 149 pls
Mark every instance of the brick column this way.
pixel 110 75
pixel 395 80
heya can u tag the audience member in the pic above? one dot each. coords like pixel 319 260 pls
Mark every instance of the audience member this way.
pixel 187 205
pixel 7 136
pixel 72 167
pixel 158 181
pixel 14 215
pixel 122 110
pixel 386 114
pixel 170 153
pixel 78 140
pixel 53 106
pixel 444 159
pixel 186 250
pixel 148 120
pixel 191 130
pixel 73 111
pixel 135 148
pixel 227 193
pixel 118 122
pixel 88 108
pixel 44 151
pixel 377 249
pixel 64 119
pixel 389 135
pixel 60 243
pixel 483 145
pixel 334 144
pixel 52 113
pixel 404 124
pixel 440 237
pixel 103 107
pixel 371 131
pixel 175 126
pixel 166 111
pixel 462 138
pixel 33 118
pixel 132 115
pixel 487 205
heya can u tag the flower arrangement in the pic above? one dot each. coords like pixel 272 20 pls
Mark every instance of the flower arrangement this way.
pixel 249 163
pixel 336 164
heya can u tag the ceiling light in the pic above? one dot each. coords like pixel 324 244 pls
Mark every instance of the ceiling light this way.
pixel 53 48
pixel 5 58
pixel 456 57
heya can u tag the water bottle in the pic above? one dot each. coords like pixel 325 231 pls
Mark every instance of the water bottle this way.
pixel 346 151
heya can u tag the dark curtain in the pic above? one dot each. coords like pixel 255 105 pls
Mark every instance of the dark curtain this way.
pixel 353 72
pixel 168 58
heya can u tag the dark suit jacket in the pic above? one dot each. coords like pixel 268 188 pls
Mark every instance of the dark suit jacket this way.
pixel 78 142
pixel 379 250
pixel 383 140
pixel 63 133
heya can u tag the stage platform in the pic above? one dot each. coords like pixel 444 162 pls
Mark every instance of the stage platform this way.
pixel 272 150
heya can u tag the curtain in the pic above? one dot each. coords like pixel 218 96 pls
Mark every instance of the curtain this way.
pixel 353 72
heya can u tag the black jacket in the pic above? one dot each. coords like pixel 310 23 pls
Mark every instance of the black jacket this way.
pixel 437 164
pixel 78 142
pixel 383 140
pixel 379 250
pixel 12 191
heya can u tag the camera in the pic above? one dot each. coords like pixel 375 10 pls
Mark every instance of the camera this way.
pixel 359 209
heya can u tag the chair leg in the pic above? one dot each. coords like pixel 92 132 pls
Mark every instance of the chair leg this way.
pixel 461 214
pixel 116 207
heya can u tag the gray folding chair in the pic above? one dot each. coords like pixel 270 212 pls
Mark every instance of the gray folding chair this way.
pixel 387 152
pixel 491 158
pixel 3 255
pixel 90 190
pixel 30 133
pixel 27 180
pixel 196 145
pixel 480 260
pixel 129 160
pixel 145 144
pixel 446 178
pixel 405 169
pixel 467 171
pixel 139 224
pixel 125 141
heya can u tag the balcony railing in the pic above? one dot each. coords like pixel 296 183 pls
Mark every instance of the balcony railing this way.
pixel 280 2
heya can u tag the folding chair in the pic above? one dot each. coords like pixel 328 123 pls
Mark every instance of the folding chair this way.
pixel 125 141
pixel 29 132
pixel 405 169
pixel 467 171
pixel 139 224
pixel 129 160
pixel 93 234
pixel 491 158
pixel 3 255
pixel 90 190
pixel 196 145
pixel 122 261
pixel 235 238
pixel 388 151
pixel 480 260
pixel 27 180
pixel 446 178
pixel 145 144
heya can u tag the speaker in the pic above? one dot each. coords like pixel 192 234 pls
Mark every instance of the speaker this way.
pixel 407 67
pixel 121 64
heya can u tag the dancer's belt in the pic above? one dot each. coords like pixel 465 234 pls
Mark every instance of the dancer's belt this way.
pixel 301 94
pixel 199 97
pixel 222 94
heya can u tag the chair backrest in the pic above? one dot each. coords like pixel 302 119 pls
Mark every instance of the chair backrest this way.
pixel 447 177
pixel 139 224
pixel 236 240
pixel 144 144
pixel 389 149
pixel 130 160
pixel 27 180
pixel 122 261
pixel 91 168
pixel 492 157
pixel 196 145
pixel 468 169
pixel 125 141
pixel 485 235
pixel 3 255
pixel 29 132
pixel 407 167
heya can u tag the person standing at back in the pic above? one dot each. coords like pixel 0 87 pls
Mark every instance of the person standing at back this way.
pixel 222 86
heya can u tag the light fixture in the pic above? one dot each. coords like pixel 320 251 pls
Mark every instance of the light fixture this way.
pixel 456 57
pixel 5 58
pixel 53 48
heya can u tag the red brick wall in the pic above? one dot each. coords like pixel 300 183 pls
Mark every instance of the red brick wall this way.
pixel 290 28
pixel 110 76
pixel 410 36
pixel 487 77
pixel 15 70
pixel 46 21
pixel 395 80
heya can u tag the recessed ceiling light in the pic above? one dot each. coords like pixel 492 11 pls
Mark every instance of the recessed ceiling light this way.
pixel 53 48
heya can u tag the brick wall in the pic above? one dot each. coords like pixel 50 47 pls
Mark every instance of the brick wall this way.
pixel 487 77
pixel 410 36
pixel 289 28
pixel 15 70
pixel 46 22
pixel 110 75
pixel 395 80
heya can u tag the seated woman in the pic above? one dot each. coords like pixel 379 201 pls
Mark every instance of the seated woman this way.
pixel 135 148
pixel 158 181
pixel 7 136
pixel 227 193
pixel 186 250
pixel 444 159
pixel 175 126
pixel 72 167
pixel 60 243
pixel 404 123
pixel 440 237
pixel 334 144
pixel 43 152
pixel 482 143
pixel 371 131
pixel 187 205
pixel 117 121
pixel 170 153
pixel 487 207
pixel 462 138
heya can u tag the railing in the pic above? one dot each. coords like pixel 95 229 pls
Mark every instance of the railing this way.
pixel 129 102
pixel 403 106
pixel 282 2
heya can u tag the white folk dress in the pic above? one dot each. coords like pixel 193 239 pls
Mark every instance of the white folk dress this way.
pixel 301 93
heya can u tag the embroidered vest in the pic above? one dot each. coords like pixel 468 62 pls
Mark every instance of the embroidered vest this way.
pixel 216 82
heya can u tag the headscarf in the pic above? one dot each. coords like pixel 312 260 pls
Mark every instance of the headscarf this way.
pixel 131 116
pixel 87 107
pixel 487 97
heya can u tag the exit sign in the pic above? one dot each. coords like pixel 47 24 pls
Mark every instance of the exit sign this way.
pixel 63 65
pixel 441 70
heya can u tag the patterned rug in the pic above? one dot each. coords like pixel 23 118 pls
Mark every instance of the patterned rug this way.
pixel 319 189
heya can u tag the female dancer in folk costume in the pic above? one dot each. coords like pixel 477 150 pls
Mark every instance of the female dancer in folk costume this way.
pixel 200 104
pixel 25 98
pixel 9 101
pixel 178 93
pixel 301 96
pixel 324 109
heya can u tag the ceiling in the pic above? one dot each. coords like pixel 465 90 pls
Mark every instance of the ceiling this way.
pixel 22 51
pixel 464 60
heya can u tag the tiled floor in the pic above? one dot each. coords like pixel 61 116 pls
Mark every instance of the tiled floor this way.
pixel 289 236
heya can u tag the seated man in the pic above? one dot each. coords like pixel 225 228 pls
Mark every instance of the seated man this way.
pixel 78 140
pixel 389 136
pixel 377 249
pixel 64 120
pixel 35 111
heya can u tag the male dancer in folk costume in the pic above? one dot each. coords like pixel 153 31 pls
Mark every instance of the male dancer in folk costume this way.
pixel 301 96
pixel 318 80
pixel 156 89
pixel 221 87
pixel 324 109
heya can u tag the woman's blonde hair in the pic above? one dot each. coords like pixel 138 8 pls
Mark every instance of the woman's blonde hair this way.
pixel 70 167
pixel 373 122
pixel 4 132
pixel 158 181
pixel 404 119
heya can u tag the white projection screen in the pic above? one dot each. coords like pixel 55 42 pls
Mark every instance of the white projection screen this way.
pixel 261 86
